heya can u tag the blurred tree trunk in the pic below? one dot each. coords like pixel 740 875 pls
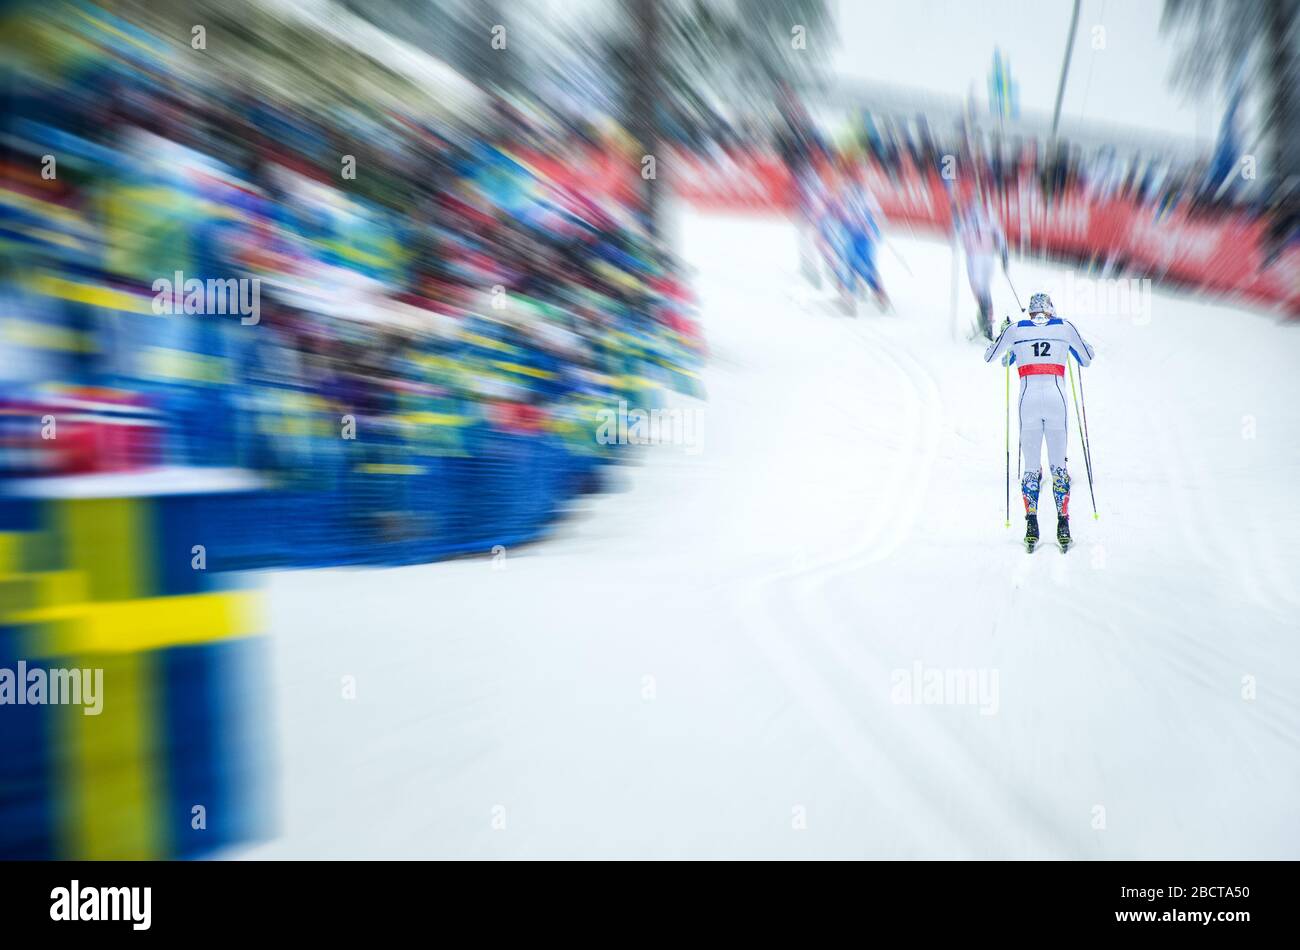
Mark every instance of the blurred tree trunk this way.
pixel 642 87
pixel 1282 67
pixel 1221 37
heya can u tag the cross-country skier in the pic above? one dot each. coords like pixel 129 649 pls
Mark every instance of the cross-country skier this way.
pixel 854 228
pixel 812 204
pixel 1040 346
pixel 981 237
pixel 803 151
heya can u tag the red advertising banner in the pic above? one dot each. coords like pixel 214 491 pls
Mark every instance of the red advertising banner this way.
pixel 1223 254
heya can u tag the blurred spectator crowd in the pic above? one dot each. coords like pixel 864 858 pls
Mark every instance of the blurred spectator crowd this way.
pixel 422 275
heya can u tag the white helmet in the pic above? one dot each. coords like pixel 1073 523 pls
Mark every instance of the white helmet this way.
pixel 1041 308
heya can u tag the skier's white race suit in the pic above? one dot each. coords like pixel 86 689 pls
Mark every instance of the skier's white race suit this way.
pixel 981 238
pixel 1040 353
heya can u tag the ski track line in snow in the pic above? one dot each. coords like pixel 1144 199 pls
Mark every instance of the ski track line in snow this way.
pixel 799 590
pixel 766 596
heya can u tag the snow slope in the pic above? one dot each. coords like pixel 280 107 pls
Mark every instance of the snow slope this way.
pixel 710 662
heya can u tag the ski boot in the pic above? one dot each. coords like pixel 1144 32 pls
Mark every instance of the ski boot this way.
pixel 1063 533
pixel 1031 532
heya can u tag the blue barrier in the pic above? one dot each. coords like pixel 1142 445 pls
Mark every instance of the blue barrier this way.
pixel 380 502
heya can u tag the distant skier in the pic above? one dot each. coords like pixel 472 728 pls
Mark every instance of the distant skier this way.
pixel 812 205
pixel 803 152
pixel 1040 346
pixel 853 230
pixel 981 238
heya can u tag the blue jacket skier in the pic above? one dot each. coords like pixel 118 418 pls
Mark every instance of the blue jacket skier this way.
pixel 1040 346
pixel 853 230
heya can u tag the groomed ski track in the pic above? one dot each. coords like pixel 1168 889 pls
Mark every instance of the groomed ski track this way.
pixel 706 662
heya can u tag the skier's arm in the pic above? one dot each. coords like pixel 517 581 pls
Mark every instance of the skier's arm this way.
pixel 1081 350
pixel 1000 345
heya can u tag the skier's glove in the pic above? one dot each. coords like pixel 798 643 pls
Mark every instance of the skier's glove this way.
pixel 1006 358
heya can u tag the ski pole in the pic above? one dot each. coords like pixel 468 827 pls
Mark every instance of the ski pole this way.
pixel 893 250
pixel 1007 274
pixel 1087 441
pixel 1083 429
pixel 1083 432
pixel 1007 440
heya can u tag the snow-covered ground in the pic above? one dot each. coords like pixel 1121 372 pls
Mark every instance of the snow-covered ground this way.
pixel 713 660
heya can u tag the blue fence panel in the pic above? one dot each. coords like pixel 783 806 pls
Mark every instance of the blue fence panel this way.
pixel 379 501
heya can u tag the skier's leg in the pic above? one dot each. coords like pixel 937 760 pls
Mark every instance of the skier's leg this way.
pixel 979 268
pixel 840 245
pixel 858 263
pixel 824 234
pixel 1060 475
pixel 1057 440
pixel 1031 435
pixel 1030 481
pixel 808 252
pixel 846 279
pixel 870 273
pixel 882 298
pixel 862 256
pixel 1061 495
pixel 1031 444
pixel 1031 424
pixel 1057 433
pixel 1029 485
